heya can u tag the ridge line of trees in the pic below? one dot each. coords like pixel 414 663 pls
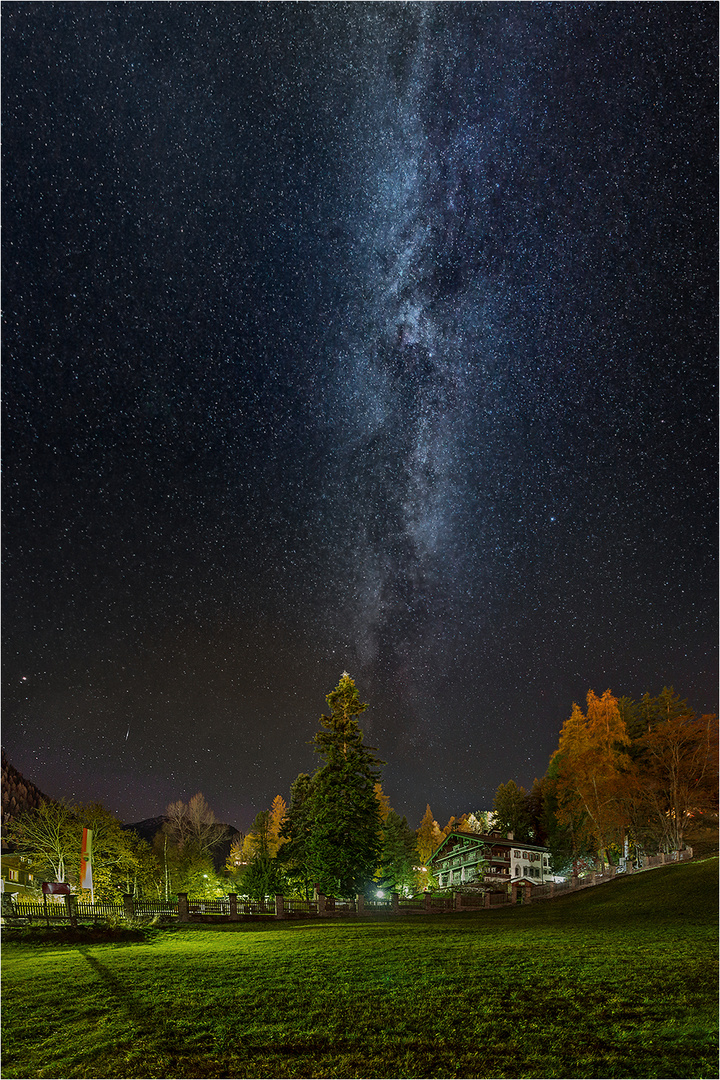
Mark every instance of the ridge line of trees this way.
pixel 627 776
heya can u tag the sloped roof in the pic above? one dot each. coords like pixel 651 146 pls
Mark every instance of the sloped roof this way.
pixel 479 838
pixel 483 839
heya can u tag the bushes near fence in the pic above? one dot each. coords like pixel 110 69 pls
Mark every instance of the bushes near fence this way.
pixel 234 908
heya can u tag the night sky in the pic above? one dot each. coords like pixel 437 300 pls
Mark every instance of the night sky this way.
pixel 378 337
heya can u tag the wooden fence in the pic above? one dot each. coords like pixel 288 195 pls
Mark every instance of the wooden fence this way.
pixel 234 908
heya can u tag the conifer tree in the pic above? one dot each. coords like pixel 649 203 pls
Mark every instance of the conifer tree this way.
pixel 278 811
pixel 398 854
pixel 536 810
pixel 295 834
pixel 263 875
pixel 429 835
pixel 383 802
pixel 511 811
pixel 344 840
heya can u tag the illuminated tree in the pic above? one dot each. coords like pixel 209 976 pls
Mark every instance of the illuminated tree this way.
pixel 429 835
pixel 592 771
pixel 398 863
pixel 50 835
pixel 142 874
pixel 194 825
pixel 678 774
pixel 235 860
pixel 278 811
pixel 448 828
pixel 119 856
pixel 295 832
pixel 191 833
pixel 477 822
pixel 344 838
pixel 262 876
pixel 383 802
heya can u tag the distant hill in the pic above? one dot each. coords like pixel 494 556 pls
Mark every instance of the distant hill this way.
pixel 148 827
pixel 18 794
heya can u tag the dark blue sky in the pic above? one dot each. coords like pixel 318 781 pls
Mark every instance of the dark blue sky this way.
pixel 374 337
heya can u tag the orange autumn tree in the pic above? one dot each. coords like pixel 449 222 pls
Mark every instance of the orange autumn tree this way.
pixel 278 812
pixel 594 772
pixel 429 835
pixel 679 774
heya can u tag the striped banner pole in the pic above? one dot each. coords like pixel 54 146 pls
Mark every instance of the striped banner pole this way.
pixel 86 877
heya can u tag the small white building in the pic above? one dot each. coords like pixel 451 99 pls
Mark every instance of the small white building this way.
pixel 530 861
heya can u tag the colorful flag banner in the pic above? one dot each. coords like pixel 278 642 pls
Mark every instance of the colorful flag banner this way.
pixel 86 881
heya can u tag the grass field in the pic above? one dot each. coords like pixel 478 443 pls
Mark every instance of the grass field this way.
pixel 616 981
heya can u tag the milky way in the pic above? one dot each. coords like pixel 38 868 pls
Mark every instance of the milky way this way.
pixel 378 337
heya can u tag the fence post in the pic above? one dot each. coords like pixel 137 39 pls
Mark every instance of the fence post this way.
pixel 183 908
pixel 513 894
pixel 662 858
pixel 395 903
pixel 71 908
pixel 486 900
pixel 128 906
pixel 232 901
pixel 426 900
pixel 527 890
pixel 279 907
pixel 360 904
pixel 321 898
pixel 457 901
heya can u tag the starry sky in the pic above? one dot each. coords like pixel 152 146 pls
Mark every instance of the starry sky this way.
pixel 378 337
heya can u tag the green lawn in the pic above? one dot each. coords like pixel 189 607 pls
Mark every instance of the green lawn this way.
pixel 617 981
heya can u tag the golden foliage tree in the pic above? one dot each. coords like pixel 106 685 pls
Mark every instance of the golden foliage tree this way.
pixel 278 810
pixel 429 835
pixel 594 771
pixel 383 802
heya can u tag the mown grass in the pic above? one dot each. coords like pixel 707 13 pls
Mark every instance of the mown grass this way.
pixel 617 981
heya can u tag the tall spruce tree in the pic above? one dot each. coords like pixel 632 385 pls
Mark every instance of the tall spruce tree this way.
pixel 398 854
pixel 295 832
pixel 344 838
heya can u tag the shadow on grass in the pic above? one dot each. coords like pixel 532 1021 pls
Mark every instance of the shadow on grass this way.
pixel 131 1005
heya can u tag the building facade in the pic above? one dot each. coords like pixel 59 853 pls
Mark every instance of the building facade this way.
pixel 15 876
pixel 478 859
